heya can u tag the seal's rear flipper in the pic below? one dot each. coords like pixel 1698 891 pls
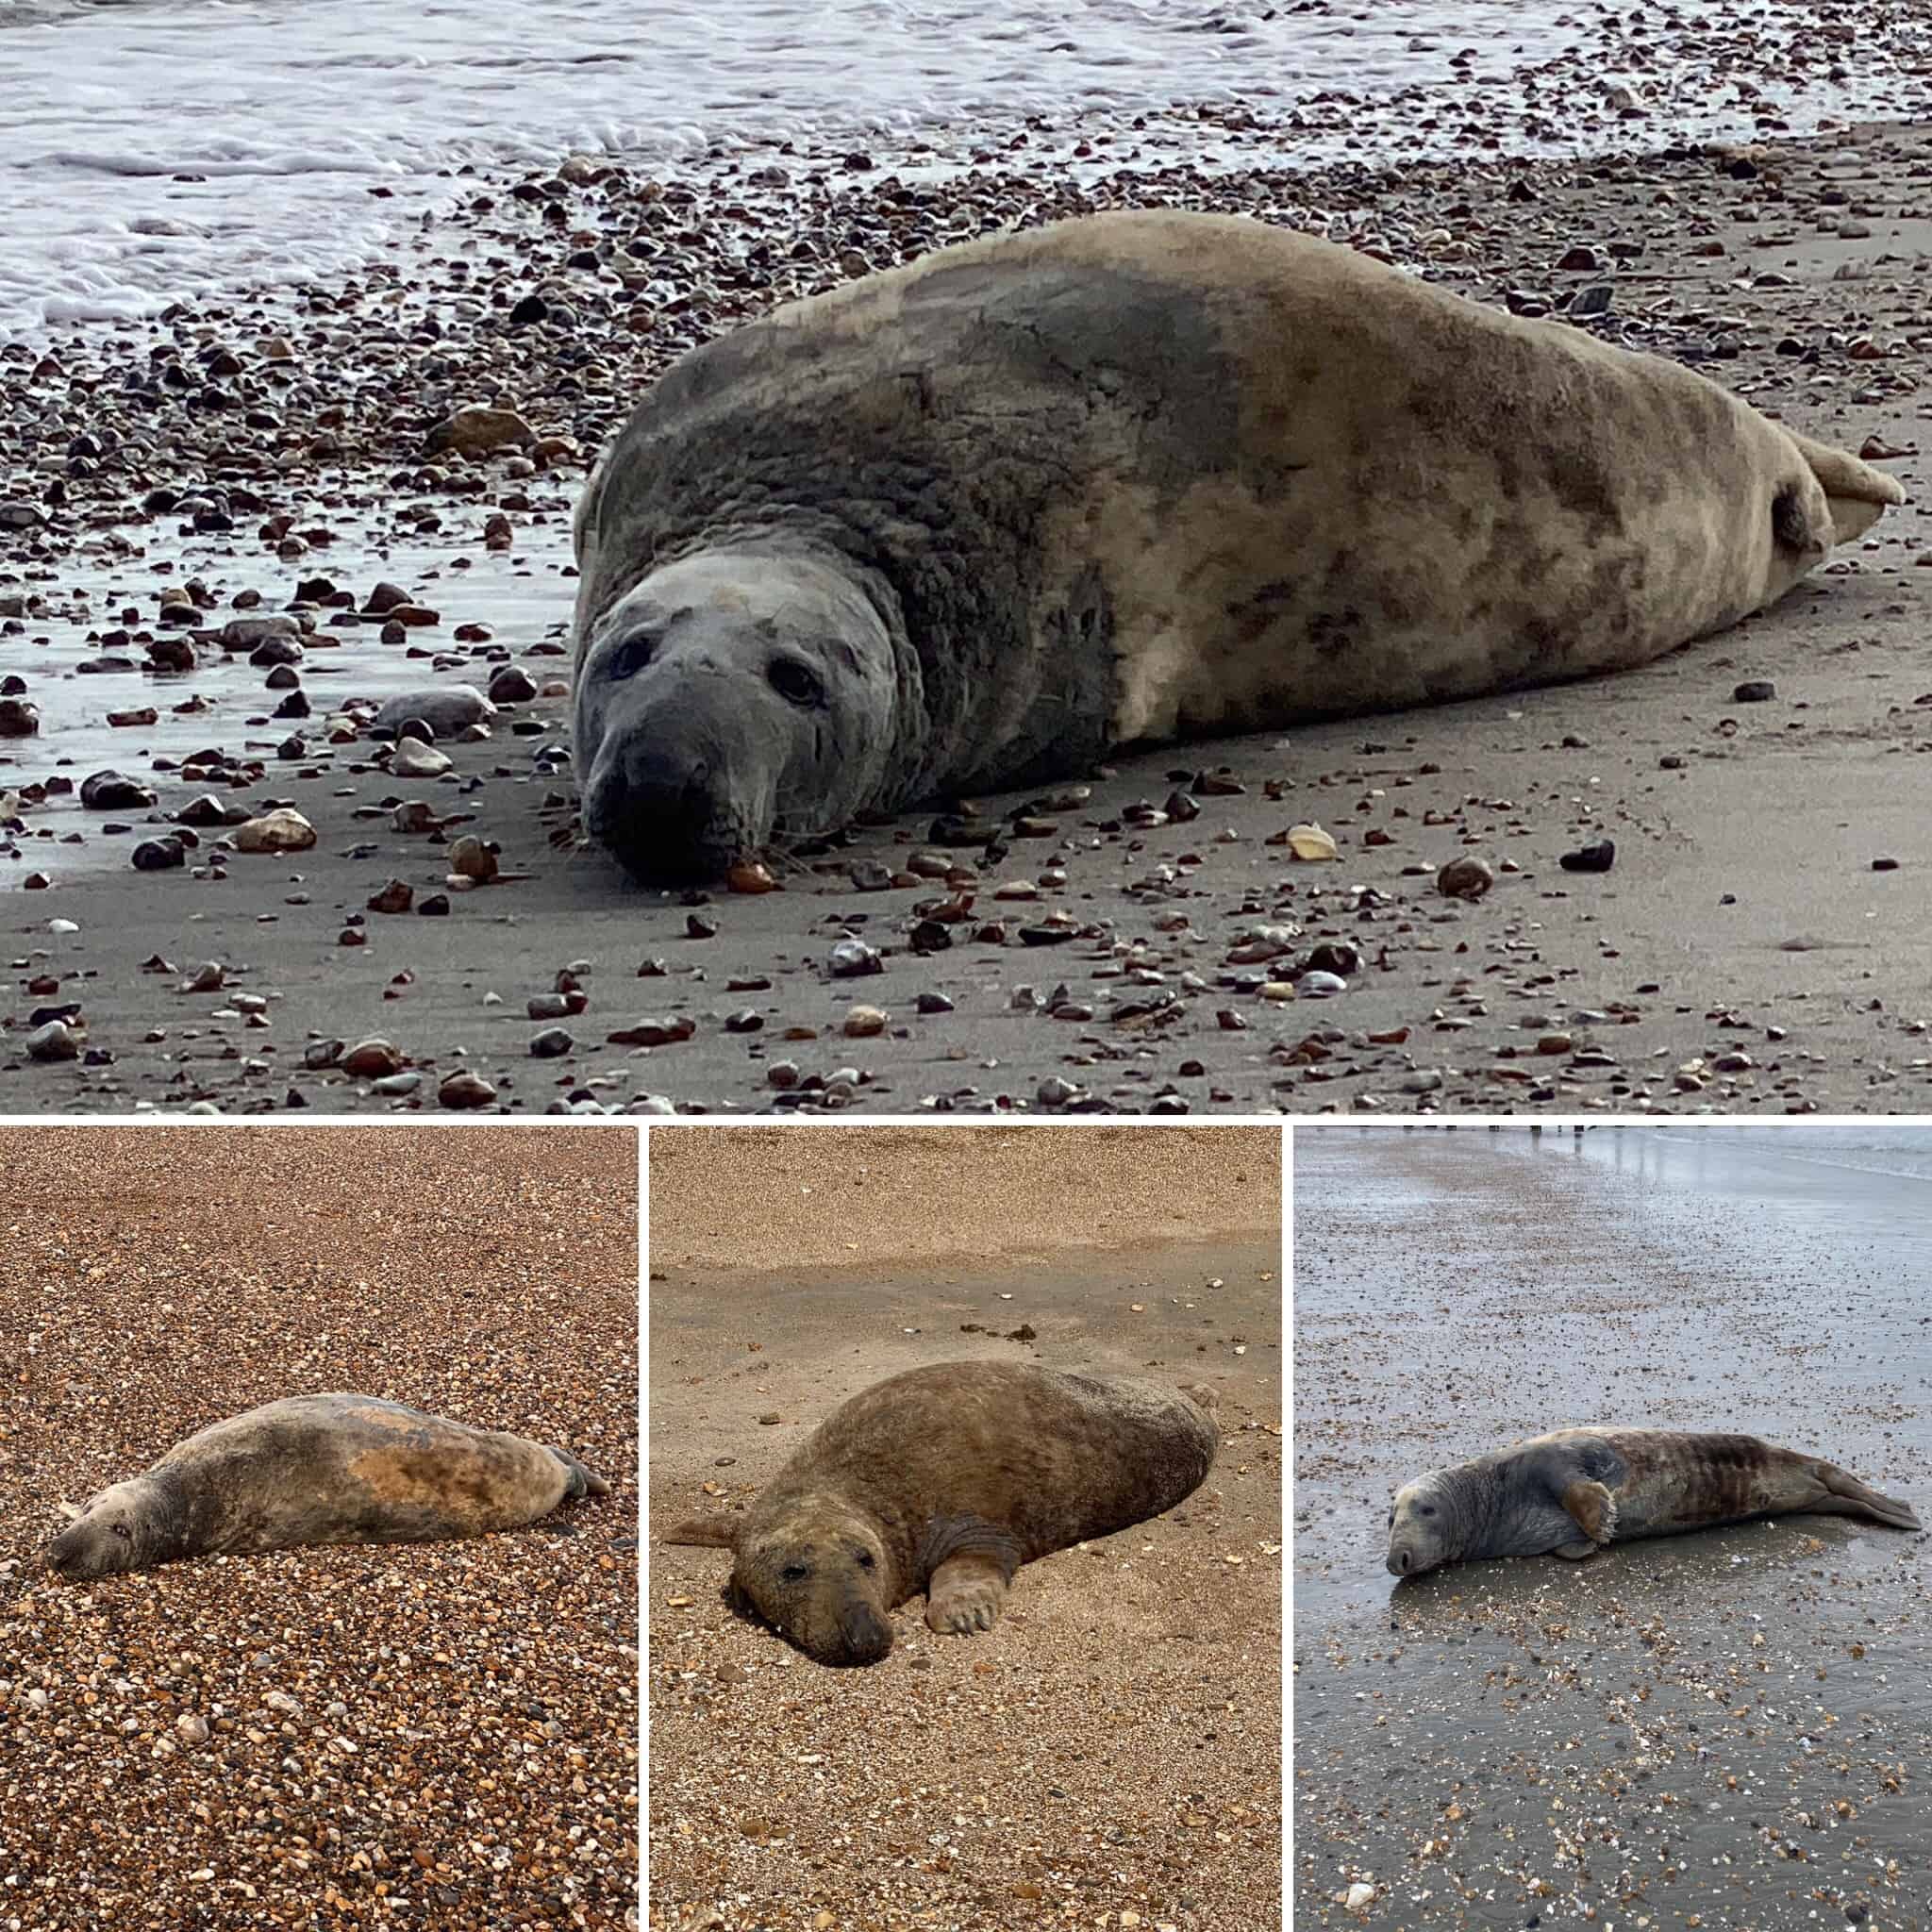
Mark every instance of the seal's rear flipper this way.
pixel 583 1482
pixel 1848 1496
pixel 711 1532
pixel 1857 493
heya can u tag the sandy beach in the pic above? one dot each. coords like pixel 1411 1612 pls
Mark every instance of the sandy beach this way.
pixel 427 1735
pixel 1724 1729
pixel 1111 1752
pixel 1745 954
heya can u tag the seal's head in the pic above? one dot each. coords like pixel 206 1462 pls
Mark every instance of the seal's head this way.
pixel 1420 1527
pixel 731 698
pixel 820 1575
pixel 119 1530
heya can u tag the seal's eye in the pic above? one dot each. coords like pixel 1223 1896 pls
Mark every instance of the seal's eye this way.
pixel 631 656
pixel 797 684
pixel 122 1530
pixel 1425 1508
pixel 794 1572
pixel 867 1560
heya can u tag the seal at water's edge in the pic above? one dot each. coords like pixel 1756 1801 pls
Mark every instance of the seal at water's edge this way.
pixel 318 1469
pixel 1573 1491
pixel 944 1480
pixel 969 523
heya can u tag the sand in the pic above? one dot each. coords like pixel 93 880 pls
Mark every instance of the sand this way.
pixel 1113 1745
pixel 1744 954
pixel 1721 1729
pixel 427 1735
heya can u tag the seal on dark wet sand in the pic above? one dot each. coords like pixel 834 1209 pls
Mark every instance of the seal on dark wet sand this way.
pixel 970 524
pixel 318 1469
pixel 1575 1491
pixel 944 1480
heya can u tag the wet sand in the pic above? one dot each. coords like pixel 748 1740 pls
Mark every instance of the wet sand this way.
pixel 1724 1729
pixel 1744 954
pixel 1113 1745
pixel 435 1735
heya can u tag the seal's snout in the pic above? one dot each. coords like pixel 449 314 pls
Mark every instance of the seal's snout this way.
pixel 1401 1562
pixel 864 1636
pixel 669 820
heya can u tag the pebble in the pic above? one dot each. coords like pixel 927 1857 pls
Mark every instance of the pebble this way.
pixel 412 759
pixel 447 709
pixel 864 1022
pixel 550 1044
pixel 1464 879
pixel 281 830
pixel 852 958
pixel 55 1041
pixel 1597 858
pixel 463 1090
pixel 1754 690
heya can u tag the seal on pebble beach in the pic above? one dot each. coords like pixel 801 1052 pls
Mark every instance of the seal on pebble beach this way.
pixel 944 1480
pixel 1572 1493
pixel 973 523
pixel 318 1469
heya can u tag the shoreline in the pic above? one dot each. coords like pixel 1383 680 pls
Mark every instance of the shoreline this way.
pixel 1780 979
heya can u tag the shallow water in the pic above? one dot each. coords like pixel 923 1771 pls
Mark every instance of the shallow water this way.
pixel 158 150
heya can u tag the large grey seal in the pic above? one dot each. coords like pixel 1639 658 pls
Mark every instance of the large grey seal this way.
pixel 971 522
pixel 318 1469
pixel 1570 1492
pixel 944 1480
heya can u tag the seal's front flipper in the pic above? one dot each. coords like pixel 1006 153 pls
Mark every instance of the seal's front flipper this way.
pixel 1575 1552
pixel 1593 1510
pixel 966 1593
pixel 706 1532
pixel 583 1482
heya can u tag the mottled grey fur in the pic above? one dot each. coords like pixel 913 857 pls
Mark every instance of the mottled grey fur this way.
pixel 969 523
pixel 1573 1492
pixel 942 1481
pixel 318 1469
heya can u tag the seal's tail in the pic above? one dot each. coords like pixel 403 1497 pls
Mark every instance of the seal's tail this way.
pixel 1848 1496
pixel 1857 493
pixel 583 1482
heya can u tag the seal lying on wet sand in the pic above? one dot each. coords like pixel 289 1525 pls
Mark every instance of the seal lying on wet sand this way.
pixel 944 1480
pixel 318 1469
pixel 969 523
pixel 1571 1493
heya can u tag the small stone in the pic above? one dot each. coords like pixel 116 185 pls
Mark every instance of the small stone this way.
pixel 55 1041
pixel 472 859
pixel 19 719
pixel 281 830
pixel 1311 842
pixel 864 1022
pixel 412 759
pixel 748 876
pixel 447 709
pixel 372 1058
pixel 112 792
pixel 1597 858
pixel 552 1043
pixel 464 1090
pixel 477 430
pixel 397 896
pixel 1754 690
pixel 852 958
pixel 1464 879
pixel 192 1729
pixel 159 855
pixel 1056 1091
pixel 1885 865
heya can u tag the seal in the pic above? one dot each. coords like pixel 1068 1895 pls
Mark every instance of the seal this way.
pixel 943 1481
pixel 1575 1491
pixel 971 524
pixel 318 1469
